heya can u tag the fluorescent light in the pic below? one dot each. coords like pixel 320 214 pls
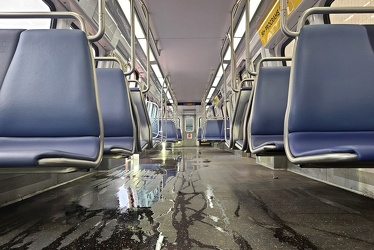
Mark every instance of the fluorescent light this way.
pixel 207 100
pixel 210 92
pixel 132 85
pixel 139 33
pixel 253 7
pixel 144 45
pixel 157 71
pixel 240 29
pixel 126 8
pixel 168 95
pixel 216 81
pixel 236 42
pixel 227 54
pixel 171 101
pixel 219 72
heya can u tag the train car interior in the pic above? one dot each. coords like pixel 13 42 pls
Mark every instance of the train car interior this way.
pixel 171 124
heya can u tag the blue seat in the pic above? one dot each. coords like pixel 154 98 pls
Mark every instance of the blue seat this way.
pixel 119 128
pixel 199 134
pixel 143 121
pixel 238 132
pixel 49 115
pixel 213 131
pixel 329 119
pixel 169 132
pixel 225 129
pixel 179 134
pixel 266 122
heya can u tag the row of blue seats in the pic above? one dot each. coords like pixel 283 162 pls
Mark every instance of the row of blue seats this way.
pixel 214 130
pixel 127 127
pixel 50 117
pixel 318 111
pixel 169 132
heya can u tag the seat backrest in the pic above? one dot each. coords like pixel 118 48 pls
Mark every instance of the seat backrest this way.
pixel 143 124
pixel 227 129
pixel 331 82
pixel 199 134
pixel 213 130
pixel 179 134
pixel 48 87
pixel 269 101
pixel 152 109
pixel 115 103
pixel 238 119
pixel 169 130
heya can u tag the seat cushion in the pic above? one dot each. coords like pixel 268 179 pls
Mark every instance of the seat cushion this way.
pixel 259 141
pixel 317 143
pixel 25 152
pixel 125 143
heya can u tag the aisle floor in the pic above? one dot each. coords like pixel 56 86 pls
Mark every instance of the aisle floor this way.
pixel 190 198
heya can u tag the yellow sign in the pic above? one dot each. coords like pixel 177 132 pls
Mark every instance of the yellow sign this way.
pixel 271 23
pixel 216 100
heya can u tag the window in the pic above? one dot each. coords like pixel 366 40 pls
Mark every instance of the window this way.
pixel 24 6
pixel 189 124
pixel 287 50
pixel 255 62
pixel 352 18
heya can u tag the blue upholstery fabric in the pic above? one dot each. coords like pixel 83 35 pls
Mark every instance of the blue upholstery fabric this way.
pixel 259 141
pixel 143 122
pixel 331 103
pixel 199 134
pixel 169 131
pixel 48 105
pixel 124 143
pixel 270 101
pixel 27 151
pixel 179 134
pixel 331 90
pixel 239 117
pixel 269 107
pixel 213 130
pixel 40 93
pixel 360 143
pixel 7 48
pixel 116 109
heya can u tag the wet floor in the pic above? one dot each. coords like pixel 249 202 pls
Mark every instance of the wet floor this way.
pixel 190 198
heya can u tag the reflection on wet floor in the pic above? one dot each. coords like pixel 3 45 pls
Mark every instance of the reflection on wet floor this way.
pixel 190 198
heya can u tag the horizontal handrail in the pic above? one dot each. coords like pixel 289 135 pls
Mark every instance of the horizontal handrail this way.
pixel 101 29
pixel 109 59
pixel 132 38
pixel 272 59
pixel 60 15
pixel 331 10
pixel 146 14
pixel 315 10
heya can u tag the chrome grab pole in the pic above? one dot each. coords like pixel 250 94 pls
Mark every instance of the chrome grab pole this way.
pixel 101 29
pixel 146 14
pixel 132 35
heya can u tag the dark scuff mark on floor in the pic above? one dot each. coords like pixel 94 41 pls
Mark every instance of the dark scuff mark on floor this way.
pixel 284 233
pixel 237 210
pixel 242 243
pixel 183 240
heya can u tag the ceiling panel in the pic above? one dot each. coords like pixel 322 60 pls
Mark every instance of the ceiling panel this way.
pixel 190 34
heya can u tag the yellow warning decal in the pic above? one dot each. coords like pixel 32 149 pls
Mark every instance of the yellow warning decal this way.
pixel 271 22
